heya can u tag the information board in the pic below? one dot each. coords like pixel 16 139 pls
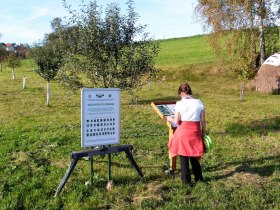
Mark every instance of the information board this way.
pixel 164 109
pixel 100 116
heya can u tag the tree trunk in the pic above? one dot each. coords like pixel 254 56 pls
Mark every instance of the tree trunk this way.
pixel 262 44
pixel 252 36
pixel 261 31
pixel 48 93
pixel 13 74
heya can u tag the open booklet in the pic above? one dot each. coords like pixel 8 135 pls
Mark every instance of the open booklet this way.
pixel 167 110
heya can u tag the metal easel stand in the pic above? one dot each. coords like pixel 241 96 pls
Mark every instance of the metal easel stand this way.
pixel 75 156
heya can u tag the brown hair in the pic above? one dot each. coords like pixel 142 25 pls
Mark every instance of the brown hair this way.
pixel 185 88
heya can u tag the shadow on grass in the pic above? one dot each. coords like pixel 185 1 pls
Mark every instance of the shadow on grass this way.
pixel 246 167
pixel 124 180
pixel 168 98
pixel 128 165
pixel 261 127
pixel 160 175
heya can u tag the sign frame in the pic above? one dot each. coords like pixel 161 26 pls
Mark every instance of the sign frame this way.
pixel 100 116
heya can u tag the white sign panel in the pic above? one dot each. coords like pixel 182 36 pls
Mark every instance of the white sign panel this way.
pixel 100 116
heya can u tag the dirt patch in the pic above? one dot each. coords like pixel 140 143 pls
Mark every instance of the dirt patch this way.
pixel 242 178
pixel 150 193
pixel 60 163
pixel 20 157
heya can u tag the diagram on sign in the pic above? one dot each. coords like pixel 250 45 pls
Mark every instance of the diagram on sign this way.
pixel 167 109
pixel 100 126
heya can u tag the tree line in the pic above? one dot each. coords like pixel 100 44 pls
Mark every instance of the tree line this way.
pixel 96 48
pixel 242 32
pixel 104 48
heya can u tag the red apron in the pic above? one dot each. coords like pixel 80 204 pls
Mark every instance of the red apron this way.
pixel 187 140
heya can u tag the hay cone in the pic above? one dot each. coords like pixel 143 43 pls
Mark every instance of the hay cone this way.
pixel 268 76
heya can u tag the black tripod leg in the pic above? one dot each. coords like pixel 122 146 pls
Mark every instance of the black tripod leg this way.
pixel 133 163
pixel 66 176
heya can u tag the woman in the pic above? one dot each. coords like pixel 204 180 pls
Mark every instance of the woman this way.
pixel 187 139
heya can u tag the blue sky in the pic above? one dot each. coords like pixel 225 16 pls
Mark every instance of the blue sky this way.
pixel 26 21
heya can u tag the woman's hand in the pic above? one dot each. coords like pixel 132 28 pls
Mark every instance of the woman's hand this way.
pixel 203 123
pixel 169 118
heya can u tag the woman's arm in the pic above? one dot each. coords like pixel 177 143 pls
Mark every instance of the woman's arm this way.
pixel 176 119
pixel 203 123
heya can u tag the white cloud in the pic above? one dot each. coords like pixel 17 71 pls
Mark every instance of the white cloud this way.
pixel 35 14
pixel 21 24
pixel 20 34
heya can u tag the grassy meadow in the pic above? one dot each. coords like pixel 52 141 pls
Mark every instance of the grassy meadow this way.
pixel 242 171
pixel 180 52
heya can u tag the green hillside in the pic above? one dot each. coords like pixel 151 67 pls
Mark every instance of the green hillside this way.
pixel 242 171
pixel 184 51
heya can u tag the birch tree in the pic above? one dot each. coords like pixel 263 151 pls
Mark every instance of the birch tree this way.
pixel 238 28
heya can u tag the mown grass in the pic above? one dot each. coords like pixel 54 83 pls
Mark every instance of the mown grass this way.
pixel 241 172
pixel 179 52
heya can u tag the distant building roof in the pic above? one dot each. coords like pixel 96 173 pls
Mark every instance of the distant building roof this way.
pixel 10 47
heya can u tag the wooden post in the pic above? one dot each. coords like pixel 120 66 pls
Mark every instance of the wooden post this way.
pixel 171 129
pixel 109 165
pixel 24 82
pixel 241 91
pixel 172 160
pixel 150 81
pixel 91 170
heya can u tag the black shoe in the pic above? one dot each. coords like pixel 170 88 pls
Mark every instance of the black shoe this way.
pixel 189 184
pixel 192 185
pixel 198 180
